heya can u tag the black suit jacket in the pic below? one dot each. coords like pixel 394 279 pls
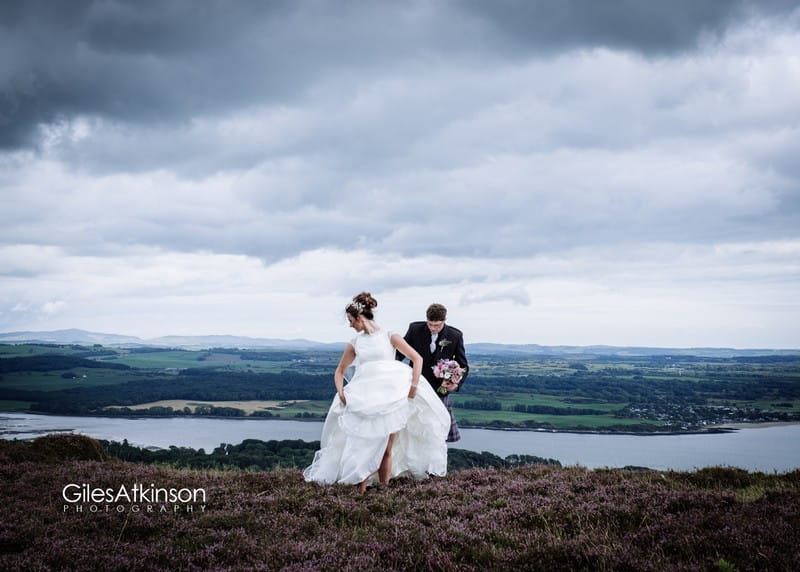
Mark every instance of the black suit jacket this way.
pixel 418 337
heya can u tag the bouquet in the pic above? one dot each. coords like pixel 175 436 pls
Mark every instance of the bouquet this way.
pixel 448 370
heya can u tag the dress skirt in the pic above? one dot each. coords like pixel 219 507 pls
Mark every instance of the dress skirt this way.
pixel 354 436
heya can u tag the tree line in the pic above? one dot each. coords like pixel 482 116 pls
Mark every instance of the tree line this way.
pixel 257 455
pixel 48 362
pixel 192 384
pixel 645 386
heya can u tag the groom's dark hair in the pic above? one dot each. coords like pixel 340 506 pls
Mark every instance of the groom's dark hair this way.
pixel 436 313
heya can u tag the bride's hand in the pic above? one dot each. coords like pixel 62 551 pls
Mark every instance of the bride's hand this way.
pixel 412 391
pixel 342 398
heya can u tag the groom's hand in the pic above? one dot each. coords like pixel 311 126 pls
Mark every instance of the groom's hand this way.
pixel 450 386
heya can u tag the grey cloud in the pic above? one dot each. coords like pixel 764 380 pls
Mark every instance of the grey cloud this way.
pixel 517 296
pixel 167 62
pixel 658 28
pixel 517 207
pixel 129 60
pixel 153 62
pixel 532 157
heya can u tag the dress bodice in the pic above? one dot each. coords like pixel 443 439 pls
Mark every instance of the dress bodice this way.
pixel 373 347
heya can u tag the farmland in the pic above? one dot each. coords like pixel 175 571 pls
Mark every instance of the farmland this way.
pixel 584 392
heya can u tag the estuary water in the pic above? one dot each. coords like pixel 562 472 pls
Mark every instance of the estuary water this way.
pixel 759 448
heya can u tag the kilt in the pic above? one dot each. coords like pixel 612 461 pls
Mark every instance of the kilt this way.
pixel 453 435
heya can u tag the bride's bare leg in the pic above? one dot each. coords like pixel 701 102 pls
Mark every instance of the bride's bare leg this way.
pixel 385 469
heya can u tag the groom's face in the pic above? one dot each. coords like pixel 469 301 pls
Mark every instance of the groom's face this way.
pixel 435 327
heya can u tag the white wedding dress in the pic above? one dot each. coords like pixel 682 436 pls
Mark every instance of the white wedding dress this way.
pixel 354 436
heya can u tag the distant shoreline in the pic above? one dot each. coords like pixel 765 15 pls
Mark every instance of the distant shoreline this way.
pixel 764 425
pixel 711 429
pixel 714 430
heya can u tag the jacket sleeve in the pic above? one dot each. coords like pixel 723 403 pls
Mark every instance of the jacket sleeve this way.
pixel 399 356
pixel 460 356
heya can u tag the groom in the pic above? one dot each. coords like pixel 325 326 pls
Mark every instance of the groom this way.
pixel 435 340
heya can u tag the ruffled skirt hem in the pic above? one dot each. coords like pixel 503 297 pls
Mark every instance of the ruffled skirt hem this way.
pixel 354 437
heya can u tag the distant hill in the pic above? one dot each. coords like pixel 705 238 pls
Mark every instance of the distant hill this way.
pixel 220 341
pixel 75 336
pixel 71 336
pixel 623 351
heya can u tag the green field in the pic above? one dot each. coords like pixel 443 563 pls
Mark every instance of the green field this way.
pixel 184 359
pixel 317 408
pixel 510 399
pixel 177 359
pixel 788 405
pixel 467 417
pixel 173 360
pixel 578 392
pixel 26 350
pixel 11 405
pixel 87 377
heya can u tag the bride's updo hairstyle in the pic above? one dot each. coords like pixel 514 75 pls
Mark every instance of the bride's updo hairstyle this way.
pixel 362 305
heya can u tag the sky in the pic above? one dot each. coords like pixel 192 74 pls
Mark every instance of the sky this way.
pixel 555 173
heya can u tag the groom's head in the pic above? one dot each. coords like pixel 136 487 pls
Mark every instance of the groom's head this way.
pixel 436 315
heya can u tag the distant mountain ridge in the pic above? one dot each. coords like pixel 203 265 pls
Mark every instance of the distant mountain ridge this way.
pixel 71 336
pixel 623 351
pixel 77 336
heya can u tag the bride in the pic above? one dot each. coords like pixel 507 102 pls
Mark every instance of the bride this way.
pixel 383 423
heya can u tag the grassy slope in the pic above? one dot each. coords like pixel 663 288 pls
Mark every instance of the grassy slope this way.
pixel 532 518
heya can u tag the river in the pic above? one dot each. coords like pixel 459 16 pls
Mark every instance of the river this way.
pixel 760 448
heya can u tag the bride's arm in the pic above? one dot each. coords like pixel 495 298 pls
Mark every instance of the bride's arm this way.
pixel 347 358
pixel 416 361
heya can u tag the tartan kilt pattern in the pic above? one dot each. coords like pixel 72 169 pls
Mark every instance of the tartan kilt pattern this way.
pixel 453 435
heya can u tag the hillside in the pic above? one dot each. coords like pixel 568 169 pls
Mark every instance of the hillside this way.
pixel 632 394
pixel 539 517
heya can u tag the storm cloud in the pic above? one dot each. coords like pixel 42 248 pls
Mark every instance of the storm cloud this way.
pixel 159 62
pixel 488 154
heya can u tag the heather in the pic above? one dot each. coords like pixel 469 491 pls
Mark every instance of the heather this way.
pixel 538 517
